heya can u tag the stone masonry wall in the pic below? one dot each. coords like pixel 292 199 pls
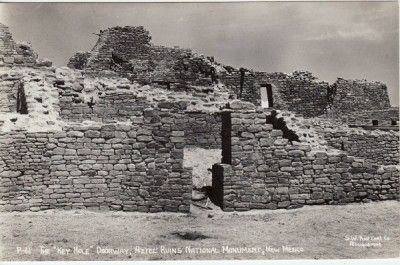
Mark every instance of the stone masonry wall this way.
pixel 385 117
pixel 118 45
pixel 79 60
pixel 203 129
pixel 266 171
pixel 377 147
pixel 299 92
pixel 129 167
pixel 358 95
pixel 8 93
pixel 21 54
pixel 128 52
pixel 107 107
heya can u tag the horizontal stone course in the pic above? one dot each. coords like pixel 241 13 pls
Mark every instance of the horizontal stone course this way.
pixel 89 169
pixel 292 174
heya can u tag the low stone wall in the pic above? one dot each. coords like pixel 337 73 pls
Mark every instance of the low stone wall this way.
pixel 128 167
pixel 377 147
pixel 203 129
pixel 385 117
pixel 263 170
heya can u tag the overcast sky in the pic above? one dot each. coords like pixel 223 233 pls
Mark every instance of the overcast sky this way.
pixel 330 39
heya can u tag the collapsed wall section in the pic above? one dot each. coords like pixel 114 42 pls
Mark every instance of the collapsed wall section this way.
pixel 128 167
pixel 79 60
pixel 269 172
pixel 117 45
pixel 375 146
pixel 128 52
pixel 21 54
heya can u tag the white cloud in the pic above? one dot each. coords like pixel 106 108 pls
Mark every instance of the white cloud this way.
pixel 367 34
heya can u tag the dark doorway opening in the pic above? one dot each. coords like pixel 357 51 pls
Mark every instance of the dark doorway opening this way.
pixel 226 138
pixel 217 194
pixel 242 72
pixel 375 122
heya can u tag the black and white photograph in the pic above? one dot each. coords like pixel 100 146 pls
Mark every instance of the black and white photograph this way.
pixel 164 131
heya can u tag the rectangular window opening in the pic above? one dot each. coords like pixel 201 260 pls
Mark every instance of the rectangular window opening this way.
pixel 267 100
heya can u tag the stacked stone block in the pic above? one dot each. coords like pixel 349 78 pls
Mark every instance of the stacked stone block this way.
pixel 8 93
pixel 79 60
pixel 299 92
pixel 12 53
pixel 128 52
pixel 269 172
pixel 358 95
pixel 379 147
pixel 385 117
pixel 108 107
pixel 128 167
pixel 203 129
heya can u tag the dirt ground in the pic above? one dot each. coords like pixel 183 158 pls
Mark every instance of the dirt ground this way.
pixel 312 232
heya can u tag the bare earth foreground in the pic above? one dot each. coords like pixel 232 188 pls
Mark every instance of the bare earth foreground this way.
pixel 348 231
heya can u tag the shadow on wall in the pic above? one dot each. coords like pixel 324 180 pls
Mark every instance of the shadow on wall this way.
pixel 279 123
pixel 22 106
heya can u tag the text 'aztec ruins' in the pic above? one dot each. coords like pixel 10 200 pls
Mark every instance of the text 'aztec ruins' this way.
pixel 109 131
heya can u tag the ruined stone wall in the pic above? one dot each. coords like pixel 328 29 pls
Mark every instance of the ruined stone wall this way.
pixel 377 147
pixel 263 170
pixel 128 167
pixel 385 117
pixel 7 44
pixel 230 77
pixel 203 129
pixel 176 68
pixel 118 45
pixel 128 52
pixel 79 60
pixel 8 93
pixel 358 95
pixel 242 83
pixel 107 107
pixel 12 53
pixel 299 92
